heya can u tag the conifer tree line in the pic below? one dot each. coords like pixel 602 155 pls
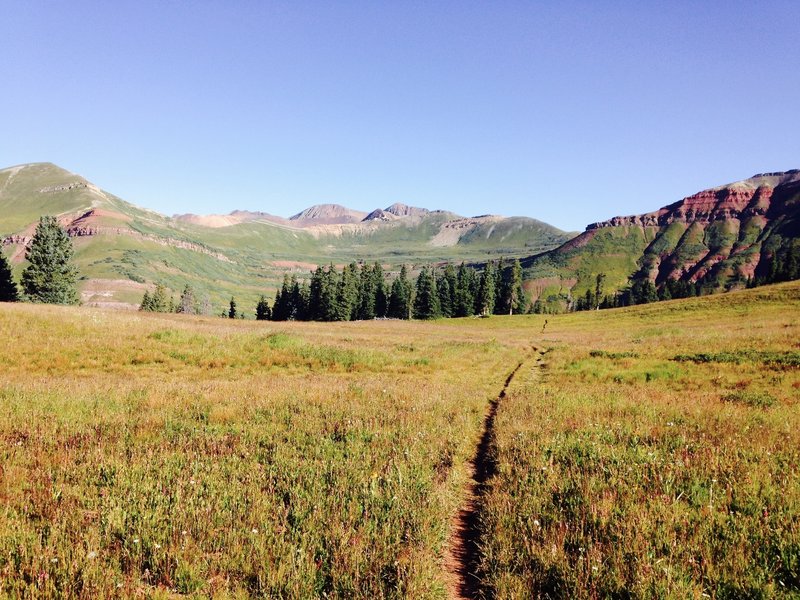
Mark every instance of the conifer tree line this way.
pixel 783 266
pixel 50 277
pixel 364 291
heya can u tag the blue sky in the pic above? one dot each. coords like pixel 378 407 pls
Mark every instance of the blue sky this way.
pixel 569 112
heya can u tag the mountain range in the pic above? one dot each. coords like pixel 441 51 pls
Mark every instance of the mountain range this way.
pixel 718 237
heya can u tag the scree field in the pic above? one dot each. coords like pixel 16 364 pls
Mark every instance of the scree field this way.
pixel 650 452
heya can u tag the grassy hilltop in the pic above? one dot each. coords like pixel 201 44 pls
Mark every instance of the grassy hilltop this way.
pixel 121 249
pixel 653 453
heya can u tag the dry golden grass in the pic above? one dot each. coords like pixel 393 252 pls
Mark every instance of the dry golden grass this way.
pixel 158 454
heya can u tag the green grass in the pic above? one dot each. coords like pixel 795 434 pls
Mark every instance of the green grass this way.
pixel 154 455
pixel 625 473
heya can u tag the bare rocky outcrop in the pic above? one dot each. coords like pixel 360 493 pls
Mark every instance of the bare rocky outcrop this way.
pixel 399 209
pixel 328 214
pixel 740 200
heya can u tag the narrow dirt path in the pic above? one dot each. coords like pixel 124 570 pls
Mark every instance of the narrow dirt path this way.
pixel 462 557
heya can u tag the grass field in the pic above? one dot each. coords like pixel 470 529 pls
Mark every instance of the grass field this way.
pixel 655 454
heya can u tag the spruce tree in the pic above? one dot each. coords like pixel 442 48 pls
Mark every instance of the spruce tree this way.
pixel 518 301
pixel 426 300
pixel 159 301
pixel 262 309
pixel 463 298
pixel 348 294
pixel 329 301
pixel 400 297
pixel 484 299
pixel 8 289
pixel 147 303
pixel 51 277
pixel 366 294
pixel 232 309
pixel 282 309
pixel 381 296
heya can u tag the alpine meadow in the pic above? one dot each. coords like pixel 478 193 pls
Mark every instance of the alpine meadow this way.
pixel 649 451
pixel 399 300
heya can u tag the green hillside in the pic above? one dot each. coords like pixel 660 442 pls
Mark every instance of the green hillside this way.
pixel 122 250
pixel 716 240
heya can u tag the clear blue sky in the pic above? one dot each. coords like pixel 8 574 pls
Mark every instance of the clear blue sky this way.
pixel 569 112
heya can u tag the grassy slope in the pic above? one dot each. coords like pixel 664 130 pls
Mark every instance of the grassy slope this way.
pixel 251 247
pixel 626 473
pixel 148 453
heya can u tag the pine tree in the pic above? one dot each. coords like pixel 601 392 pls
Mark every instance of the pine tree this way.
pixel 51 277
pixel 262 309
pixel 464 298
pixel 518 301
pixel 232 309
pixel 366 294
pixel 158 300
pixel 282 309
pixel 400 297
pixel 599 288
pixel 8 289
pixel 348 294
pixel 484 299
pixel 446 286
pixel 381 296
pixel 426 300
pixel 147 303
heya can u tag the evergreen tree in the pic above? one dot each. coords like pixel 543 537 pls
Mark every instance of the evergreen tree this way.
pixel 599 289
pixel 447 285
pixel 187 304
pixel 348 293
pixel 276 314
pixel 51 277
pixel 282 309
pixel 445 293
pixel 8 289
pixel 262 309
pixel 426 300
pixel 147 303
pixel 381 296
pixel 464 297
pixel 400 297
pixel 302 299
pixel 232 309
pixel 484 299
pixel 366 294
pixel 502 290
pixel 158 300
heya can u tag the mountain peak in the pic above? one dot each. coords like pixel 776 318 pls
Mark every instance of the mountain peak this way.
pixel 399 209
pixel 329 214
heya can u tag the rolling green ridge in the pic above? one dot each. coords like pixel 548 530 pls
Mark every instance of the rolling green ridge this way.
pixel 121 249
pixel 718 239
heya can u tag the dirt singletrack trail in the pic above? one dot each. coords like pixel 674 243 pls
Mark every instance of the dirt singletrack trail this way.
pixel 463 554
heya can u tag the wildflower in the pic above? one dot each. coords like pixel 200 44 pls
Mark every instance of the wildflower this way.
pixel 53 560
pixel 536 522
pixel 91 555
pixel 135 540
pixel 157 546
pixel 184 532
pixel 254 531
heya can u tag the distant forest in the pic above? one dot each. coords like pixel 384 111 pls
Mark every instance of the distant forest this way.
pixel 364 291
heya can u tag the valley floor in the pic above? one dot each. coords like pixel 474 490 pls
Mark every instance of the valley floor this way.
pixel 649 452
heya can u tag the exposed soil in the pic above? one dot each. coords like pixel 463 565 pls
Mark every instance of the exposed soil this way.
pixel 463 554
